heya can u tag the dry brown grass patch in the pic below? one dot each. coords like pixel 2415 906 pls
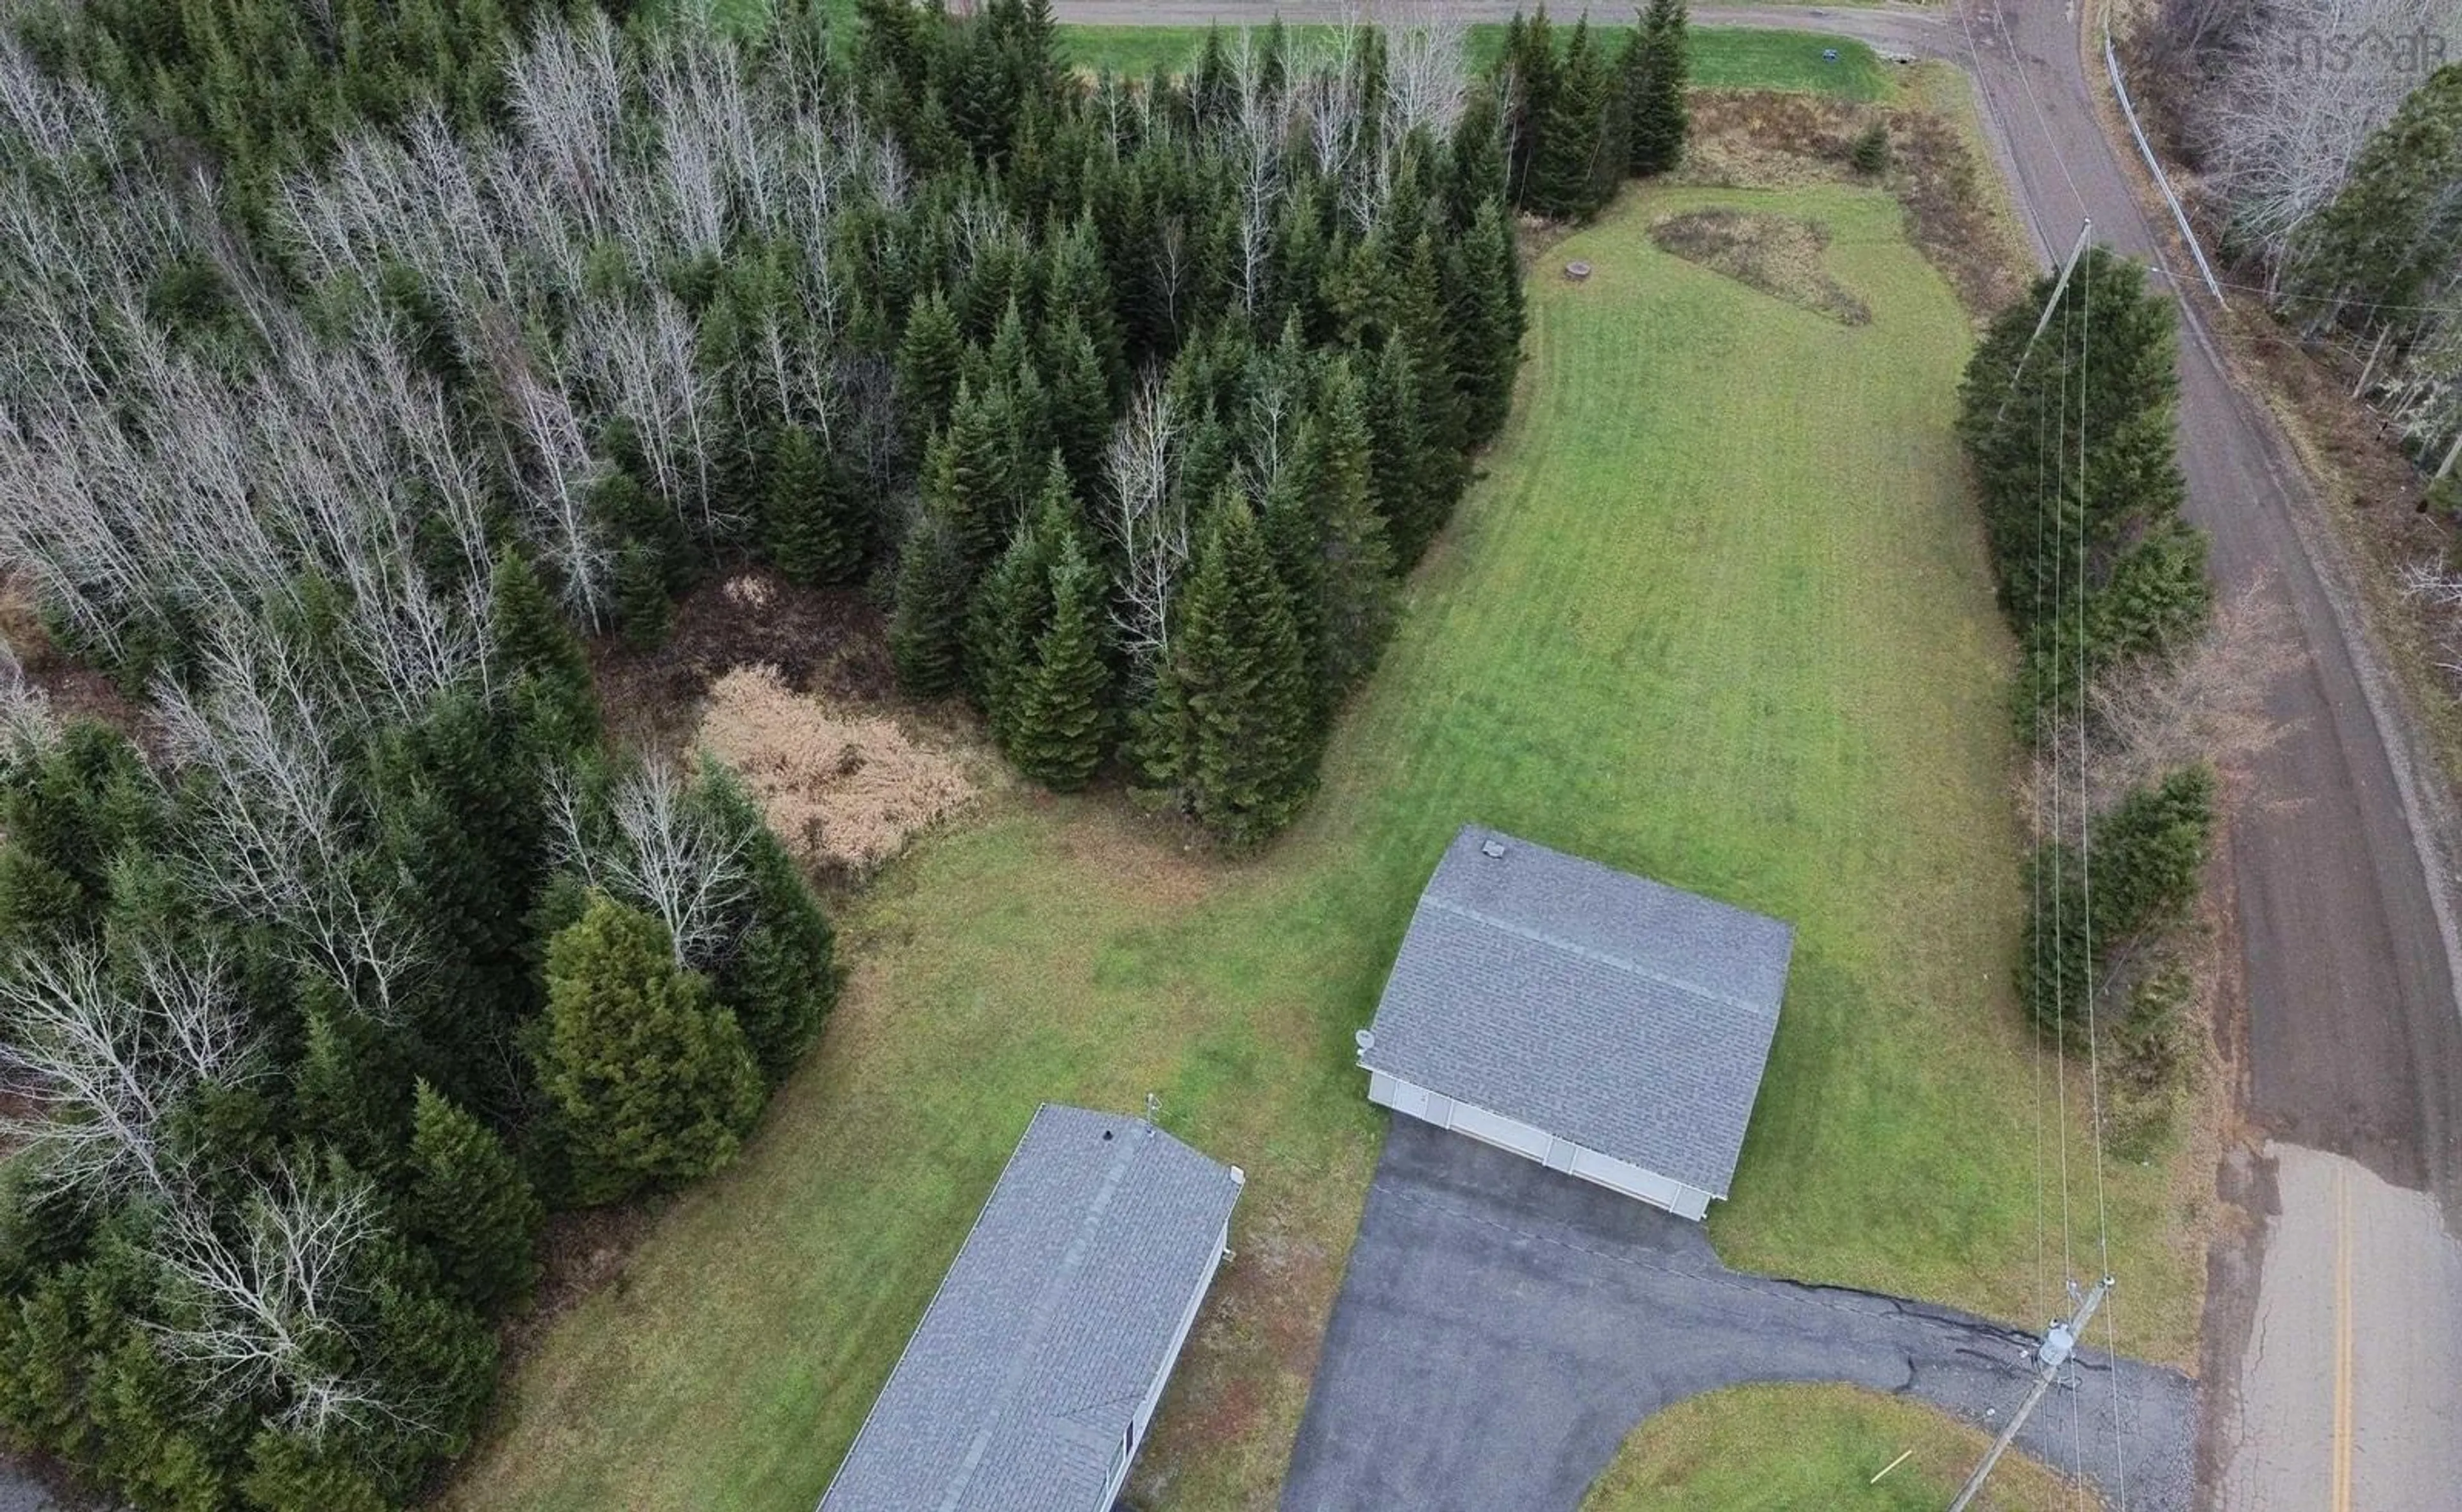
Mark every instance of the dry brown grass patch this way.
pixel 846 791
pixel 1772 140
pixel 1753 138
pixel 1777 254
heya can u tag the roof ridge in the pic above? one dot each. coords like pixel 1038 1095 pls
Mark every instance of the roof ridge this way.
pixel 1046 1307
pixel 1590 953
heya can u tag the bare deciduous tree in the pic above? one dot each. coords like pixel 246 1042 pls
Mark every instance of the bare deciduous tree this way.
pixel 1147 523
pixel 269 1313
pixel 657 850
pixel 275 837
pixel 2203 703
pixel 2301 90
pixel 27 725
pixel 1427 77
pixel 97 1066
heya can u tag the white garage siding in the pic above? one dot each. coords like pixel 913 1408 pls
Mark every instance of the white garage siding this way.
pixel 1537 1144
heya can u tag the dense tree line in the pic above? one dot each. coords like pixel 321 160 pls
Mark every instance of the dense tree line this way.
pixel 312 1008
pixel 2327 132
pixel 2072 437
pixel 1582 120
pixel 2068 413
pixel 306 1028
pixel 262 88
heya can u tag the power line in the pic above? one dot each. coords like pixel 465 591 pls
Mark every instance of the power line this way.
pixel 2066 561
pixel 2279 295
pixel 2061 570
pixel 2086 882
pixel 2035 879
pixel 2034 102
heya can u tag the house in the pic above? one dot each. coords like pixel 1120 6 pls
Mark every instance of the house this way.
pixel 1030 1384
pixel 1607 1026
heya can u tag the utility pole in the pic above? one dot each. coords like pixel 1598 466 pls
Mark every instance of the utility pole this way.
pixel 2054 1352
pixel 2077 250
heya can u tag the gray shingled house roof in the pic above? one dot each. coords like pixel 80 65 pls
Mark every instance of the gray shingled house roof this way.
pixel 1619 1013
pixel 1019 1384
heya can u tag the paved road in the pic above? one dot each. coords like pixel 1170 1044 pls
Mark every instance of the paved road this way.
pixel 2347 940
pixel 2370 1258
pixel 1501 1328
pixel 2341 864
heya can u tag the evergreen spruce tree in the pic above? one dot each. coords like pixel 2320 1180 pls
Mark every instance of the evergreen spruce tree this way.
pixel 1657 68
pixel 458 802
pixel 1210 85
pixel 350 1088
pixel 1562 182
pixel 1479 170
pixel 1080 401
pixel 2391 230
pixel 290 1471
pixel 1423 318
pixel 1529 71
pixel 1062 722
pixel 1410 512
pixel 930 357
pixel 782 979
pixel 1355 559
pixel 534 641
pixel 469 1207
pixel 1078 289
pixel 649 1080
pixel 1011 607
pixel 928 623
pixel 1485 313
pixel 1027 402
pixel 2150 850
pixel 2016 424
pixel 642 610
pixel 1294 530
pixel 969 482
pixel 811 522
pixel 1234 727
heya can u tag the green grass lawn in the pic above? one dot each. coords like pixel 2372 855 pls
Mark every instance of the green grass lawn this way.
pixel 1723 58
pixel 1718 614
pixel 1786 1448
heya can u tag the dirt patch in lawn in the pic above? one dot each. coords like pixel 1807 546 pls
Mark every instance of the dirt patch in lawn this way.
pixel 1957 213
pixel 1777 254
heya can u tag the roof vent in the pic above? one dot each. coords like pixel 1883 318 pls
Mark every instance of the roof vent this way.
pixel 1492 849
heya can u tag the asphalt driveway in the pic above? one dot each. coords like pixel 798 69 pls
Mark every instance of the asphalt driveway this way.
pixel 1501 1328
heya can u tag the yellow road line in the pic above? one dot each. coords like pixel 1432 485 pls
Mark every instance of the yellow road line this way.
pixel 2342 1341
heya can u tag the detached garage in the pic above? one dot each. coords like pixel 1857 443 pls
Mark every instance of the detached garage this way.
pixel 1606 1026
pixel 1032 1381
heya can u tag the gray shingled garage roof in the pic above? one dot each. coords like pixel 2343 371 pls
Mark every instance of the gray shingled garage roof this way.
pixel 1619 1013
pixel 1018 1387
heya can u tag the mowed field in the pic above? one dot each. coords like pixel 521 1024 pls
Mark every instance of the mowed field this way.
pixel 1721 57
pixel 1718 614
